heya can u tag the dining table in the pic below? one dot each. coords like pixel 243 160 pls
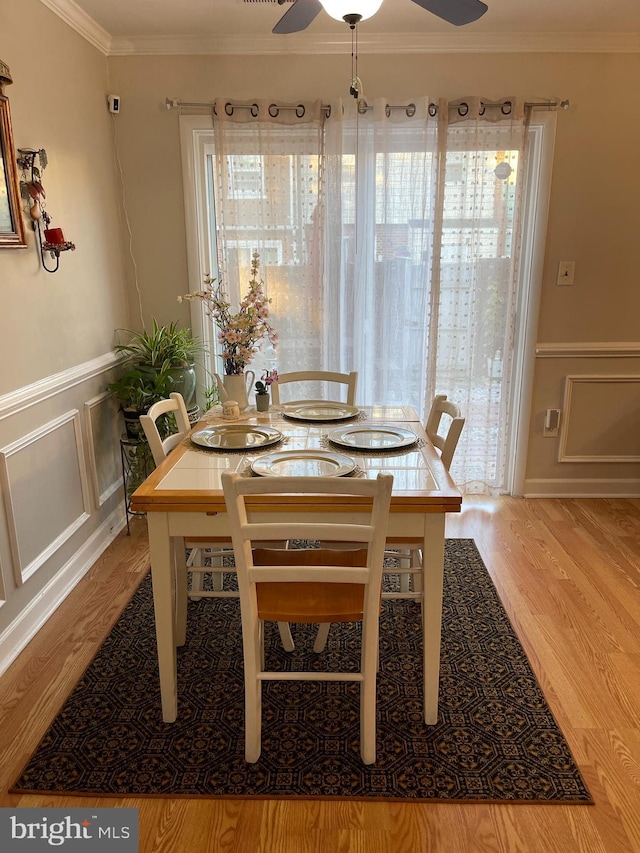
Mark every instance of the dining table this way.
pixel 183 498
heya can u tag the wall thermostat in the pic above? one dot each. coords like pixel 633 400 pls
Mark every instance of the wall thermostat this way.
pixel 114 103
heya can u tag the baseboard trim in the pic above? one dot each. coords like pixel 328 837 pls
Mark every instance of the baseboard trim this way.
pixel 27 624
pixel 587 488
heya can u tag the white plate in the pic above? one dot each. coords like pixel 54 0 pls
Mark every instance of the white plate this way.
pixel 236 437
pixel 303 463
pixel 379 437
pixel 319 410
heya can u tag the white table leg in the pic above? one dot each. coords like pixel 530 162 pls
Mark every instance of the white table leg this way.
pixel 432 579
pixel 162 572
pixel 180 571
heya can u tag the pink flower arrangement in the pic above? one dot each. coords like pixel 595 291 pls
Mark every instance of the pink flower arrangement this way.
pixel 238 334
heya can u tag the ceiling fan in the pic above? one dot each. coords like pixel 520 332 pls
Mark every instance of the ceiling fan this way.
pixel 303 12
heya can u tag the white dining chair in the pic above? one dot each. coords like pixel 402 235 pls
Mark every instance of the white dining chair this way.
pixel 444 435
pixel 407 552
pixel 343 380
pixel 446 443
pixel 331 589
pixel 216 548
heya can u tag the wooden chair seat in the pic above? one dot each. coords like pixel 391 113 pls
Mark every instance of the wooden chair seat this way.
pixel 310 602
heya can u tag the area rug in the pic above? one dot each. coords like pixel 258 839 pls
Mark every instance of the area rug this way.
pixel 495 741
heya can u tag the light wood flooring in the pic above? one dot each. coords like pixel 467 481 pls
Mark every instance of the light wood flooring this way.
pixel 568 573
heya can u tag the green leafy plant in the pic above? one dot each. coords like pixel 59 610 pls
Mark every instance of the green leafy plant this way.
pixel 141 464
pixel 211 396
pixel 136 390
pixel 163 345
pixel 162 350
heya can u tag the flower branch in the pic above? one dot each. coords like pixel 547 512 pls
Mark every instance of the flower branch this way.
pixel 239 334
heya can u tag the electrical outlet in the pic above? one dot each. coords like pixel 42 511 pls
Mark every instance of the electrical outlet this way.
pixel 551 422
pixel 566 271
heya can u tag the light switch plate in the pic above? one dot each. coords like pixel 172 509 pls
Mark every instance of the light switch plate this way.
pixel 566 271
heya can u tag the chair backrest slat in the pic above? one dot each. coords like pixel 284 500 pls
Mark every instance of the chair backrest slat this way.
pixel 370 531
pixel 446 444
pixel 348 380
pixel 161 447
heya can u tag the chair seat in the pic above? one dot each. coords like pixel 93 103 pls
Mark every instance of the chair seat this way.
pixel 216 540
pixel 310 602
pixel 405 540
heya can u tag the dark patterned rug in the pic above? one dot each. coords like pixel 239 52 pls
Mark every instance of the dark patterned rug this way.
pixel 496 739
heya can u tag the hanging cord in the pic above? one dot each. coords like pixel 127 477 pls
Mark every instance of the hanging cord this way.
pixel 355 89
pixel 126 219
pixel 356 85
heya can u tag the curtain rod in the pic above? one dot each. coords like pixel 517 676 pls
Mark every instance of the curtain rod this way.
pixel 462 106
pixel 173 103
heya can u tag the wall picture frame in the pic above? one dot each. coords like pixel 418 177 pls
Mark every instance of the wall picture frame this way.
pixel 12 230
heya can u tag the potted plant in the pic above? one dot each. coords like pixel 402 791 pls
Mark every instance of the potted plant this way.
pixel 165 349
pixel 136 391
pixel 262 389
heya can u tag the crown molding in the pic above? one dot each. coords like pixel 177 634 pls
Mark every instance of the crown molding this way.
pixel 78 20
pixel 307 43
pixel 408 43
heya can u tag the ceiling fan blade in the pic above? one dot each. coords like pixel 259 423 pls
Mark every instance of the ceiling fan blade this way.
pixel 456 12
pixel 298 17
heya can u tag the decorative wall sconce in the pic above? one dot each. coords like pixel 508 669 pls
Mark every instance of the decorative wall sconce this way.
pixel 33 193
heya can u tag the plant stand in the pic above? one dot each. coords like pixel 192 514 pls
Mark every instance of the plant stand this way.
pixel 137 464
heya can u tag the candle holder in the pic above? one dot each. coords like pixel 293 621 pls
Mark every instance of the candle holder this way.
pixel 33 193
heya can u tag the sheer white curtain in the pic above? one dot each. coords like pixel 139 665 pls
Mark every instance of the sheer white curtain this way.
pixel 389 245
pixel 266 188
pixel 421 248
pixel 379 172
pixel 473 293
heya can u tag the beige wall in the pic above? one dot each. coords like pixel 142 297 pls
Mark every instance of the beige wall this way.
pixel 48 323
pixel 61 501
pixel 593 216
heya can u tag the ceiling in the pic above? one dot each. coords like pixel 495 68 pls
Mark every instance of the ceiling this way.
pixel 244 26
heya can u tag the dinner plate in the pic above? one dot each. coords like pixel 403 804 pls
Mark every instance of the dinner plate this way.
pixel 236 437
pixel 378 437
pixel 319 410
pixel 303 463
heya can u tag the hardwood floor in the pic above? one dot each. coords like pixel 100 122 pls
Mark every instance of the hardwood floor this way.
pixel 568 573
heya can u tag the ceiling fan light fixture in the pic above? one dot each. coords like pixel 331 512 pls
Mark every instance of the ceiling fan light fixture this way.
pixel 342 10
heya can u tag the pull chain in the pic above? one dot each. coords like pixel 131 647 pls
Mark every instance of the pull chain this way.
pixel 355 92
pixel 353 89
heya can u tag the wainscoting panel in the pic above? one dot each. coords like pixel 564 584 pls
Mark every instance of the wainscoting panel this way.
pixel 601 419
pixel 102 422
pixel 62 498
pixel 44 479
